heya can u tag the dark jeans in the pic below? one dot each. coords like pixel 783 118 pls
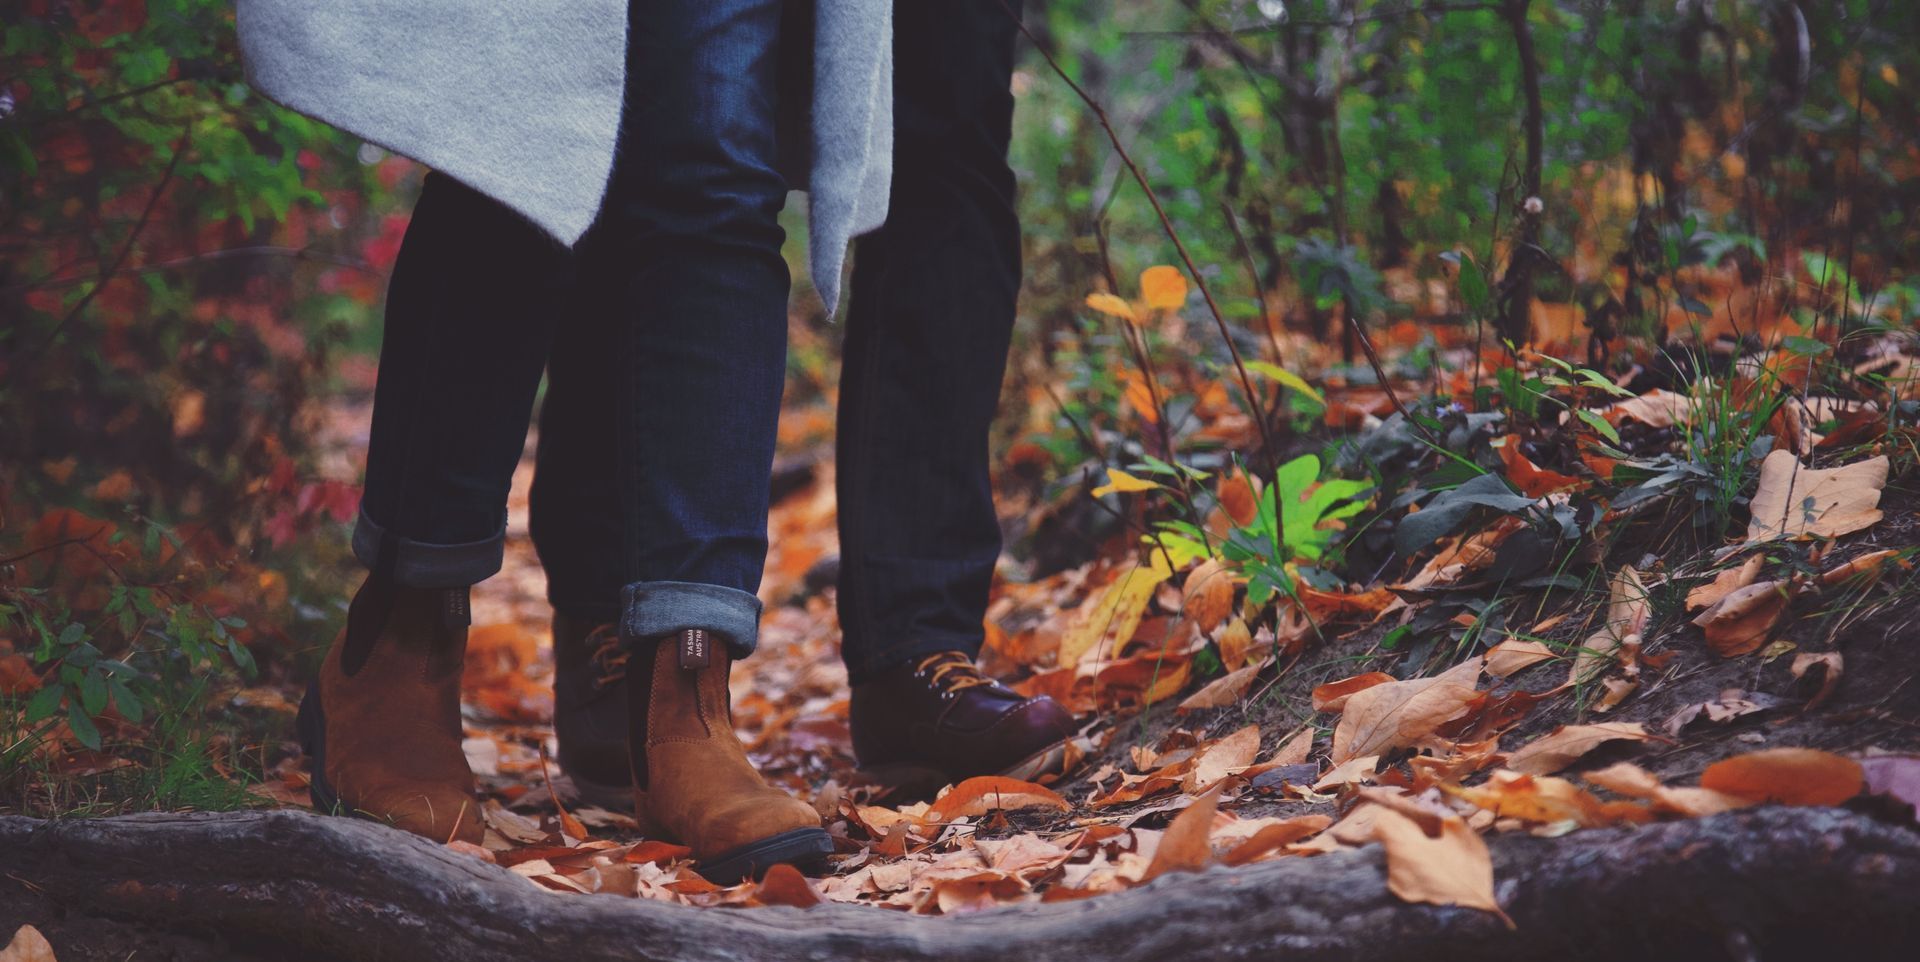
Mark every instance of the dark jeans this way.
pixel 693 335
pixel 931 313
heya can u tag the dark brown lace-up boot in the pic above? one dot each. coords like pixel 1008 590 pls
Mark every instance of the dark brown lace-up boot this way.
pixel 381 723
pixel 936 720
pixel 590 710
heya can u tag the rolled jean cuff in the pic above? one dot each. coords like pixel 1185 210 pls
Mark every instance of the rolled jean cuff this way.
pixel 420 564
pixel 655 608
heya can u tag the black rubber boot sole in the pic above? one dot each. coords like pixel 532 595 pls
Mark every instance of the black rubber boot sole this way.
pixel 311 727
pixel 802 848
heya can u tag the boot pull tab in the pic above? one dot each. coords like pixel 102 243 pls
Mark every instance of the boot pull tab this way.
pixel 454 610
pixel 696 649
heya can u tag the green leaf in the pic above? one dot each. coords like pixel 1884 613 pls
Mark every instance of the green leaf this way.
pixel 45 702
pixel 1598 423
pixel 83 727
pixel 1286 379
pixel 93 692
pixel 1805 346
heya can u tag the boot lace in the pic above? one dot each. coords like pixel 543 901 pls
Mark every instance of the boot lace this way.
pixel 951 672
pixel 609 658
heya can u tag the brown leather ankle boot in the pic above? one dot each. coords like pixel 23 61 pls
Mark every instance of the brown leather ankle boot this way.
pixel 692 780
pixel 382 721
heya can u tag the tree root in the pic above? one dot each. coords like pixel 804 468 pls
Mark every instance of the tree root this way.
pixel 1759 884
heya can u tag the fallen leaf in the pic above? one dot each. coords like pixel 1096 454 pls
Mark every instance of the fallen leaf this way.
pixel 1207 595
pixel 1514 654
pixel 1294 750
pixel 1348 772
pixel 1791 776
pixel 27 945
pixel 1235 643
pixel 1237 498
pixel 1741 622
pixel 1830 664
pixel 1656 409
pixel 1333 695
pixel 1274 836
pixel 1568 743
pixel 1452 869
pixel 1184 847
pixel 1796 501
pixel 1725 583
pixel 784 885
pixel 1109 619
pixel 1628 608
pixel 986 793
pixel 1402 714
pixel 1626 778
pixel 1225 690
pixel 1866 564
pixel 1731 704
pixel 1528 478
pixel 1228 756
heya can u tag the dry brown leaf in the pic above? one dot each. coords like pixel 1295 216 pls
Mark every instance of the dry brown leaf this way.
pixel 1230 755
pixel 1866 564
pixel 1274 835
pixel 1333 695
pixel 1235 643
pixel 1725 583
pixel 1541 799
pixel 1568 743
pixel 984 793
pixel 1208 595
pixel 1348 772
pixel 1628 608
pixel 784 885
pixel 27 945
pixel 1656 409
pixel 1225 690
pixel 1831 666
pixel 1626 778
pixel 1403 714
pixel 1513 655
pixel 1616 691
pixel 1792 776
pixel 1731 704
pixel 1184 847
pixel 1795 501
pixel 1294 750
pixel 1741 622
pixel 1452 869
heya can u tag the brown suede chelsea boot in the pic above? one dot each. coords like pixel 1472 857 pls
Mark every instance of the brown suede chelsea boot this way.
pixel 590 709
pixel 935 720
pixel 381 723
pixel 692 781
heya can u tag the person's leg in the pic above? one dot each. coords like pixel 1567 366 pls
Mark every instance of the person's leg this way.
pixel 461 355
pixel 692 219
pixel 927 337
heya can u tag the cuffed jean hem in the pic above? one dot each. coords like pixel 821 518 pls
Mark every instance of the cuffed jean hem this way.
pixel 655 608
pixel 864 664
pixel 420 564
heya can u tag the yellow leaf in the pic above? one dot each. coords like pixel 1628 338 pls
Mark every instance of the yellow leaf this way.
pixel 1163 288
pixel 1113 616
pixel 1119 481
pixel 1286 379
pixel 1113 306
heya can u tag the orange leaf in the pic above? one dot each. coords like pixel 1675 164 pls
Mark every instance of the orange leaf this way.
pixel 1725 583
pixel 1225 690
pixel 1273 836
pixel 1184 847
pixel 1529 478
pixel 1208 595
pixel 984 793
pixel 1452 869
pixel 1163 288
pixel 1333 695
pixel 1792 776
pixel 1237 497
pixel 784 885
pixel 1235 643
pixel 1513 655
pixel 1228 756
pixel 1741 622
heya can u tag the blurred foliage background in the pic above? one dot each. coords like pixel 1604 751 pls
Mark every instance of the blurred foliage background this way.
pixel 191 277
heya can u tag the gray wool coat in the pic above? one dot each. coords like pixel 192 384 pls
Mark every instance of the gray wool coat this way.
pixel 521 100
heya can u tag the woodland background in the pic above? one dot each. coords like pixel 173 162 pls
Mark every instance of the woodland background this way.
pixel 1409 237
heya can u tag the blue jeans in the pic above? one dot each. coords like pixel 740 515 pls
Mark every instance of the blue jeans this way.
pixel 931 314
pixel 692 328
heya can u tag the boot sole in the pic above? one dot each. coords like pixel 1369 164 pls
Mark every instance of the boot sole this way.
pixel 802 848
